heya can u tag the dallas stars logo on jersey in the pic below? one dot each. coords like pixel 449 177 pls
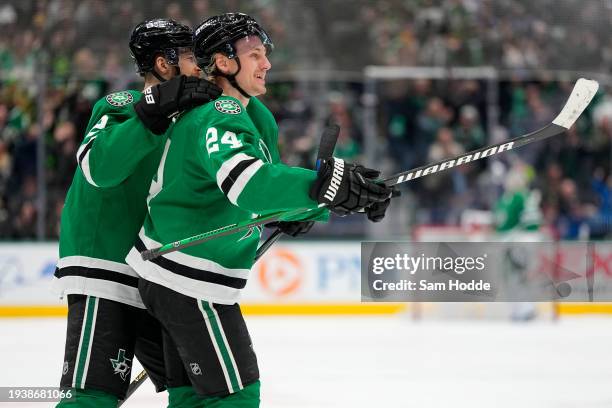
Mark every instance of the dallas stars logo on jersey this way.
pixel 227 106
pixel 121 365
pixel 120 98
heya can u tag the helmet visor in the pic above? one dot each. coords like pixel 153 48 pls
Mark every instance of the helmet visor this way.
pixel 251 42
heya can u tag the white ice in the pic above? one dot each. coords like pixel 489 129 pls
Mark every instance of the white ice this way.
pixel 380 362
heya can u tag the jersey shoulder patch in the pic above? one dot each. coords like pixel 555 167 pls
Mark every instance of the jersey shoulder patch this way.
pixel 228 106
pixel 119 99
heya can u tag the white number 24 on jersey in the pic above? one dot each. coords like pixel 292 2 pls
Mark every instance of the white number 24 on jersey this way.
pixel 228 138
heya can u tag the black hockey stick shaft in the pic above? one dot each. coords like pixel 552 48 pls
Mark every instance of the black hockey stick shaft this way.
pixel 327 144
pixel 268 243
pixel 137 382
pixel 431 168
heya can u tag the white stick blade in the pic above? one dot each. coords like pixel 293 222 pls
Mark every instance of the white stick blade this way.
pixel 582 94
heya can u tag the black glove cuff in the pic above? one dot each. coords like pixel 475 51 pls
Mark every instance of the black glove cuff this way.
pixel 156 124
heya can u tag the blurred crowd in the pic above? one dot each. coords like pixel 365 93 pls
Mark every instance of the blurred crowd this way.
pixel 566 34
pixel 564 183
pixel 87 37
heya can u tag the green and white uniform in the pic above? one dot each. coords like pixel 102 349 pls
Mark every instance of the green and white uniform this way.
pixel 103 212
pixel 106 203
pixel 220 166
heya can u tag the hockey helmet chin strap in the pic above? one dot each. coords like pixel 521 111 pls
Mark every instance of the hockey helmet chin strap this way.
pixel 232 79
pixel 177 71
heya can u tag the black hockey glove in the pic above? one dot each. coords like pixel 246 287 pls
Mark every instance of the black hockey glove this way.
pixel 163 101
pixel 376 212
pixel 347 188
pixel 292 228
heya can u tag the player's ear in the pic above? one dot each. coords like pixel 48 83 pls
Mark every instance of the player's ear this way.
pixel 222 63
pixel 161 65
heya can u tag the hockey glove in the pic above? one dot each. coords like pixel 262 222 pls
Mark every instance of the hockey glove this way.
pixel 376 212
pixel 292 228
pixel 163 101
pixel 347 188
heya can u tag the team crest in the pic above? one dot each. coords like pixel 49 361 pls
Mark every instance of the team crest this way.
pixel 120 98
pixel 227 106
pixel 121 365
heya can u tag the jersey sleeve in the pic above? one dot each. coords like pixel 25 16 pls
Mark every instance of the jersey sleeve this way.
pixel 115 143
pixel 231 153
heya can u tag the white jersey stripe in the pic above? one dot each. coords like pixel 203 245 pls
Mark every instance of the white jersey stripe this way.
pixel 88 262
pixel 80 285
pixel 242 181
pixel 190 287
pixel 229 165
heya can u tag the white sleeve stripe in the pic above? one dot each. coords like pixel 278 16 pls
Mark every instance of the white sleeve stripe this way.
pixel 242 181
pixel 83 160
pixel 229 165
pixel 86 170
pixel 83 147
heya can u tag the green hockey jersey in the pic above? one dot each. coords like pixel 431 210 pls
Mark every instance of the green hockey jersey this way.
pixel 106 203
pixel 220 166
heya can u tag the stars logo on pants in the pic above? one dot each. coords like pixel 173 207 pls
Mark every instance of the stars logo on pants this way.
pixel 121 365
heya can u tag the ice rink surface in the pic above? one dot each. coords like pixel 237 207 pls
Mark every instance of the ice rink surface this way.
pixel 317 362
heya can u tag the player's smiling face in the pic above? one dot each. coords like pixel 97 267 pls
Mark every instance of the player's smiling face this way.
pixel 254 65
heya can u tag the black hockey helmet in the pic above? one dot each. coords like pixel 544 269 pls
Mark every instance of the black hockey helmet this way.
pixel 158 36
pixel 220 33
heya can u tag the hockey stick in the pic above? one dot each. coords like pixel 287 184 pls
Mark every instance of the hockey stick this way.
pixel 137 382
pixel 581 96
pixel 327 145
pixel 268 243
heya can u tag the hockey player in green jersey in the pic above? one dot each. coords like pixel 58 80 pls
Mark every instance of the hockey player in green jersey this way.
pixel 221 165
pixel 105 208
